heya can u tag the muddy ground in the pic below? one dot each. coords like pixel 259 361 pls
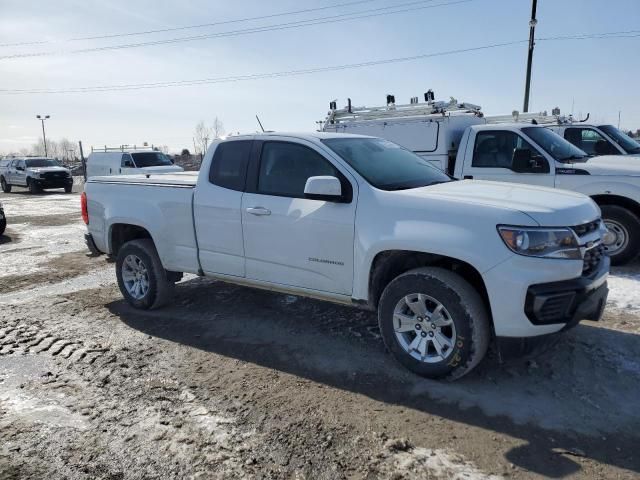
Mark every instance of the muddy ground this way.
pixel 230 382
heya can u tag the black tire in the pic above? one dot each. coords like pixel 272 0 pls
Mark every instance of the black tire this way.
pixel 68 189
pixel 627 222
pixel 6 188
pixel 161 289
pixel 464 307
pixel 3 226
pixel 32 186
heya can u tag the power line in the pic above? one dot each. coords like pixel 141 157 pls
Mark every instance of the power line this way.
pixel 268 28
pixel 189 27
pixel 238 78
pixel 288 73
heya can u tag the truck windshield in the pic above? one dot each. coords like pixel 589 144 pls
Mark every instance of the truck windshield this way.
pixel 627 143
pixel 42 162
pixel 384 164
pixel 150 159
pixel 556 146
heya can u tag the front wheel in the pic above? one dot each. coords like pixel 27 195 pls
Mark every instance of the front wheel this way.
pixel 141 277
pixel 32 186
pixel 68 189
pixel 622 240
pixel 3 225
pixel 6 188
pixel 434 323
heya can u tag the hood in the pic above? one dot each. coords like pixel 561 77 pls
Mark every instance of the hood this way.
pixel 162 168
pixel 615 165
pixel 549 207
pixel 47 169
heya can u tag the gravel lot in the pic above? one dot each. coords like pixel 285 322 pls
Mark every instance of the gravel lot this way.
pixel 231 382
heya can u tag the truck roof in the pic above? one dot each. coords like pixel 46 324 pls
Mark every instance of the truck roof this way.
pixel 311 136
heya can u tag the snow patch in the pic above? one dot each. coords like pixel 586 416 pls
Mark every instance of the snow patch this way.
pixel 425 463
pixel 624 292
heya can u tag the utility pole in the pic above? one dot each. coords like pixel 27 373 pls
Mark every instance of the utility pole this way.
pixel 619 114
pixel 42 118
pixel 532 32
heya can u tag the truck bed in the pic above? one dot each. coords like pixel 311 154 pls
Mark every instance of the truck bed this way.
pixel 160 203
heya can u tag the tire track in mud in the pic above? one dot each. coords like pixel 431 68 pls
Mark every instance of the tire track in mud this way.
pixel 18 339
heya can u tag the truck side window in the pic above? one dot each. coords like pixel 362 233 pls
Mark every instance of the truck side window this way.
pixel 590 141
pixel 127 161
pixel 285 168
pixel 494 149
pixel 229 164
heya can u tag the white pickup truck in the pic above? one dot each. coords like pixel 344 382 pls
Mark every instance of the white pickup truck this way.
pixel 360 221
pixel 458 139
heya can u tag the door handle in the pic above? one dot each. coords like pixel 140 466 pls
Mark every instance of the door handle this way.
pixel 258 211
pixel 468 177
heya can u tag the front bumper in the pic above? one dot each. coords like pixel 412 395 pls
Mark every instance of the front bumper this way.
pixel 569 301
pixel 532 296
pixel 54 182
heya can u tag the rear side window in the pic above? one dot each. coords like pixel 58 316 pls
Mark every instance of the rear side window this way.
pixel 229 164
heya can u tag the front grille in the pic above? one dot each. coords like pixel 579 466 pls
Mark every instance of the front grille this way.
pixel 54 175
pixel 592 259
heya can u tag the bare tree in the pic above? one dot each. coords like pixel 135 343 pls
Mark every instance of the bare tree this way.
pixel 68 149
pixel 217 128
pixel 202 135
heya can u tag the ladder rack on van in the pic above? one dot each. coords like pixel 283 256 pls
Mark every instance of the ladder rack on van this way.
pixel 391 110
pixel 122 148
pixel 540 118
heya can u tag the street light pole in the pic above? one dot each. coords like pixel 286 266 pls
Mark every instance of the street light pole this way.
pixel 532 31
pixel 42 118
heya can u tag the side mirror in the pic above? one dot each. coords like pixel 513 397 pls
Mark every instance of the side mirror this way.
pixel 323 188
pixel 521 161
pixel 20 168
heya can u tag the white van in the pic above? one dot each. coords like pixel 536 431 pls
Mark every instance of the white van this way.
pixel 128 162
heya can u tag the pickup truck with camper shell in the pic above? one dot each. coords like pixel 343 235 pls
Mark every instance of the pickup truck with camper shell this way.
pixel 459 139
pixel 128 161
pixel 447 265
pixel 34 173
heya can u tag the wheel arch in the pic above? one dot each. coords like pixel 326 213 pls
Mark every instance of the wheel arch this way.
pixel 389 264
pixel 610 199
pixel 121 233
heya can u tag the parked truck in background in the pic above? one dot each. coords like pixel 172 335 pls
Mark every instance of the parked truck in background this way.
pixel 459 139
pixel 448 265
pixel 34 173
pixel 597 139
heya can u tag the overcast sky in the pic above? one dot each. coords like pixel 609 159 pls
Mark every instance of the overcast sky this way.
pixel 599 76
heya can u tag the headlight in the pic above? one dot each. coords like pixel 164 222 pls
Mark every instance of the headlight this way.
pixel 542 242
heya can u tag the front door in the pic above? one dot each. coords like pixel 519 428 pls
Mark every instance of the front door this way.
pixel 290 239
pixel 493 154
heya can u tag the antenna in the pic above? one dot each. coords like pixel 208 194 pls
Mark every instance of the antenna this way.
pixel 260 123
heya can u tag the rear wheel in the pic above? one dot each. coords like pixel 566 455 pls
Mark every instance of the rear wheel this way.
pixel 3 225
pixel 68 189
pixel 141 277
pixel 434 323
pixel 622 240
pixel 6 188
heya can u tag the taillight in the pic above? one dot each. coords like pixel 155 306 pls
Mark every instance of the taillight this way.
pixel 83 205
